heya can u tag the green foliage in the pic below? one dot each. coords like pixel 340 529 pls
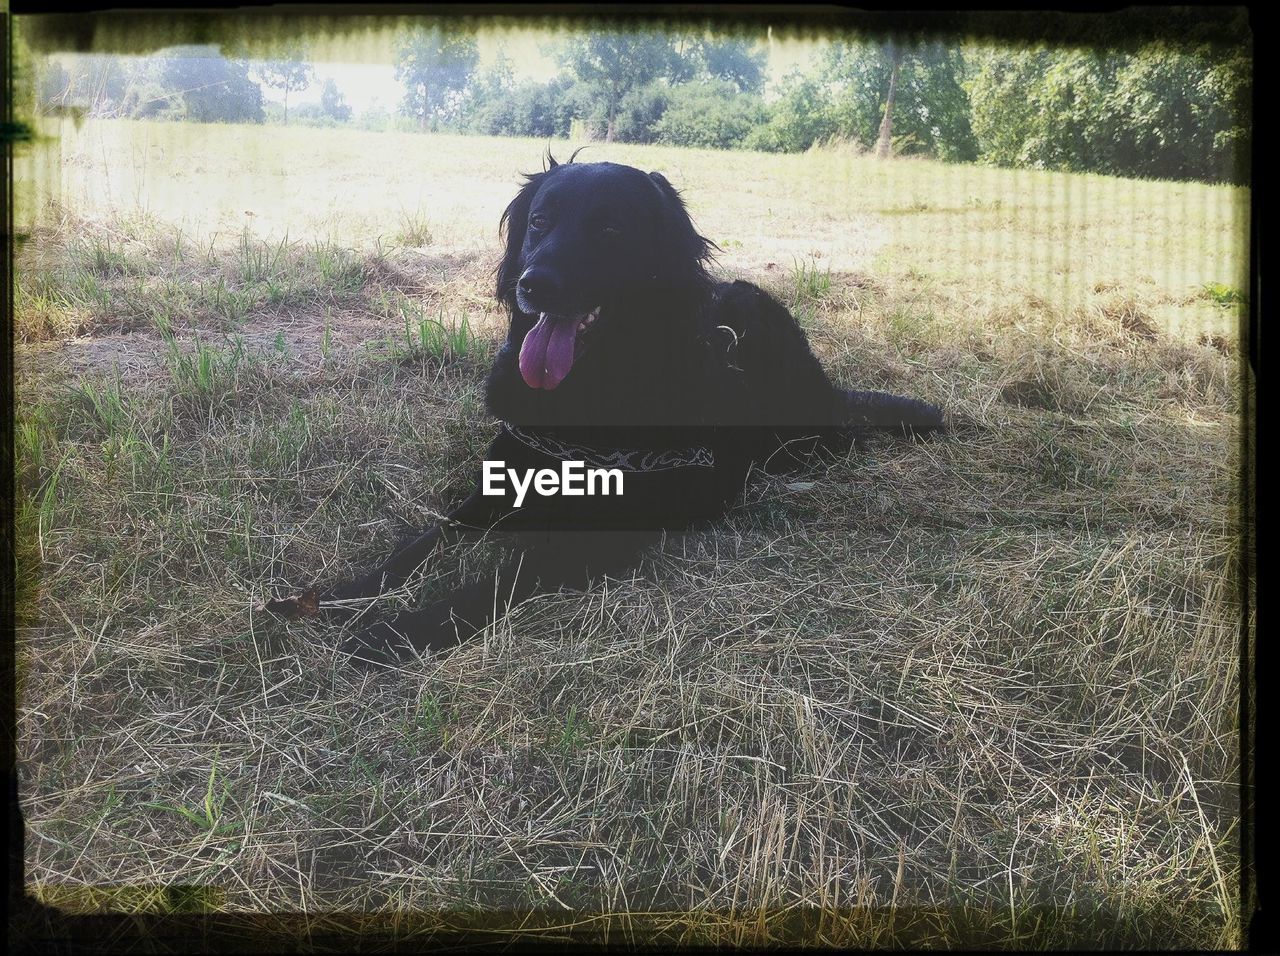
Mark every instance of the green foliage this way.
pixel 529 108
pixel 426 337
pixel 618 86
pixel 209 815
pixel 931 109
pixel 207 373
pixel 501 75
pixel 1185 113
pixel 1041 108
pixel 800 117
pixel 1223 294
pixel 640 111
pixel 306 114
pixel 149 93
pixel 429 726
pixel 332 110
pixel 810 283
pixel 573 734
pixel 105 407
pixel 414 230
pixel 614 64
pixel 711 114
pixel 435 66
pixel 703 56
pixel 1003 117
pixel 1158 110
pixel 741 62
pixel 259 260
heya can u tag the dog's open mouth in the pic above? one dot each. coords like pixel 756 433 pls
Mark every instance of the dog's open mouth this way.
pixel 551 346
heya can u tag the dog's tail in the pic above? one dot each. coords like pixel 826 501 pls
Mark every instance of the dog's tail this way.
pixel 882 410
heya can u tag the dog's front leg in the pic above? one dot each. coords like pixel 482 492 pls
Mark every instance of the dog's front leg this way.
pixel 444 623
pixel 471 517
pixel 546 562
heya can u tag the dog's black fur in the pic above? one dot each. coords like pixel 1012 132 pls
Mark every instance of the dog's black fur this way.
pixel 676 363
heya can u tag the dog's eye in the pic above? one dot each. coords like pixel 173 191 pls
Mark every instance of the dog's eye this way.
pixel 611 232
pixel 538 222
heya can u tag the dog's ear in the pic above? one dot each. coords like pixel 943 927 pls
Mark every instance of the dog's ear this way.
pixel 664 184
pixel 686 244
pixel 515 221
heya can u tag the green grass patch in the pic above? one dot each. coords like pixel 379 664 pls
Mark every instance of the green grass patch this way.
pixel 426 337
pixel 1221 294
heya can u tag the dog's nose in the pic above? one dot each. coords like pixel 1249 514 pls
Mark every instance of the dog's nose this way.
pixel 538 285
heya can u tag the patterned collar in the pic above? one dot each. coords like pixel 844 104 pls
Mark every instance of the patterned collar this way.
pixel 623 459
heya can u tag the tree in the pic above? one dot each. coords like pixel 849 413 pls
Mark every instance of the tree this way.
pixel 640 111
pixel 333 103
pixel 289 74
pixel 1004 115
pixel 1184 112
pixel 210 87
pixel 490 109
pixel 800 117
pixel 501 77
pixel 930 108
pixel 1174 111
pixel 884 142
pixel 614 64
pixel 741 62
pixel 436 68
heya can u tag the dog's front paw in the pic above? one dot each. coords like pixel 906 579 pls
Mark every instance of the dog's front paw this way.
pixel 393 642
pixel 370 585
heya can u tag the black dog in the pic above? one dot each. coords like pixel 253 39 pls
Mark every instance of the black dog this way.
pixel 623 353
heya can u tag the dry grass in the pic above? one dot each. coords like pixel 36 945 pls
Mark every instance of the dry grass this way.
pixel 977 691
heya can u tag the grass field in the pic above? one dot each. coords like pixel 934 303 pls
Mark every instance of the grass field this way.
pixel 981 690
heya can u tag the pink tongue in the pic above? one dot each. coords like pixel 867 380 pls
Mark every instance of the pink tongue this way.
pixel 547 352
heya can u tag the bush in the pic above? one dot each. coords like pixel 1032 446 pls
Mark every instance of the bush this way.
pixel 530 109
pixel 312 114
pixel 374 118
pixel 712 115
pixel 640 111
pixel 1157 110
pixel 800 118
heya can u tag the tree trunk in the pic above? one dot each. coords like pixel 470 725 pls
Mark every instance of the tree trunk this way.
pixel 286 106
pixel 613 116
pixel 884 145
pixel 617 90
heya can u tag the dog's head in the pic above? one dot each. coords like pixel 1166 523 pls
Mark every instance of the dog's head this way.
pixel 588 245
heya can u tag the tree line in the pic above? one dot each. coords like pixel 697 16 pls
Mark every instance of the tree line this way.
pixel 196 84
pixel 1154 109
